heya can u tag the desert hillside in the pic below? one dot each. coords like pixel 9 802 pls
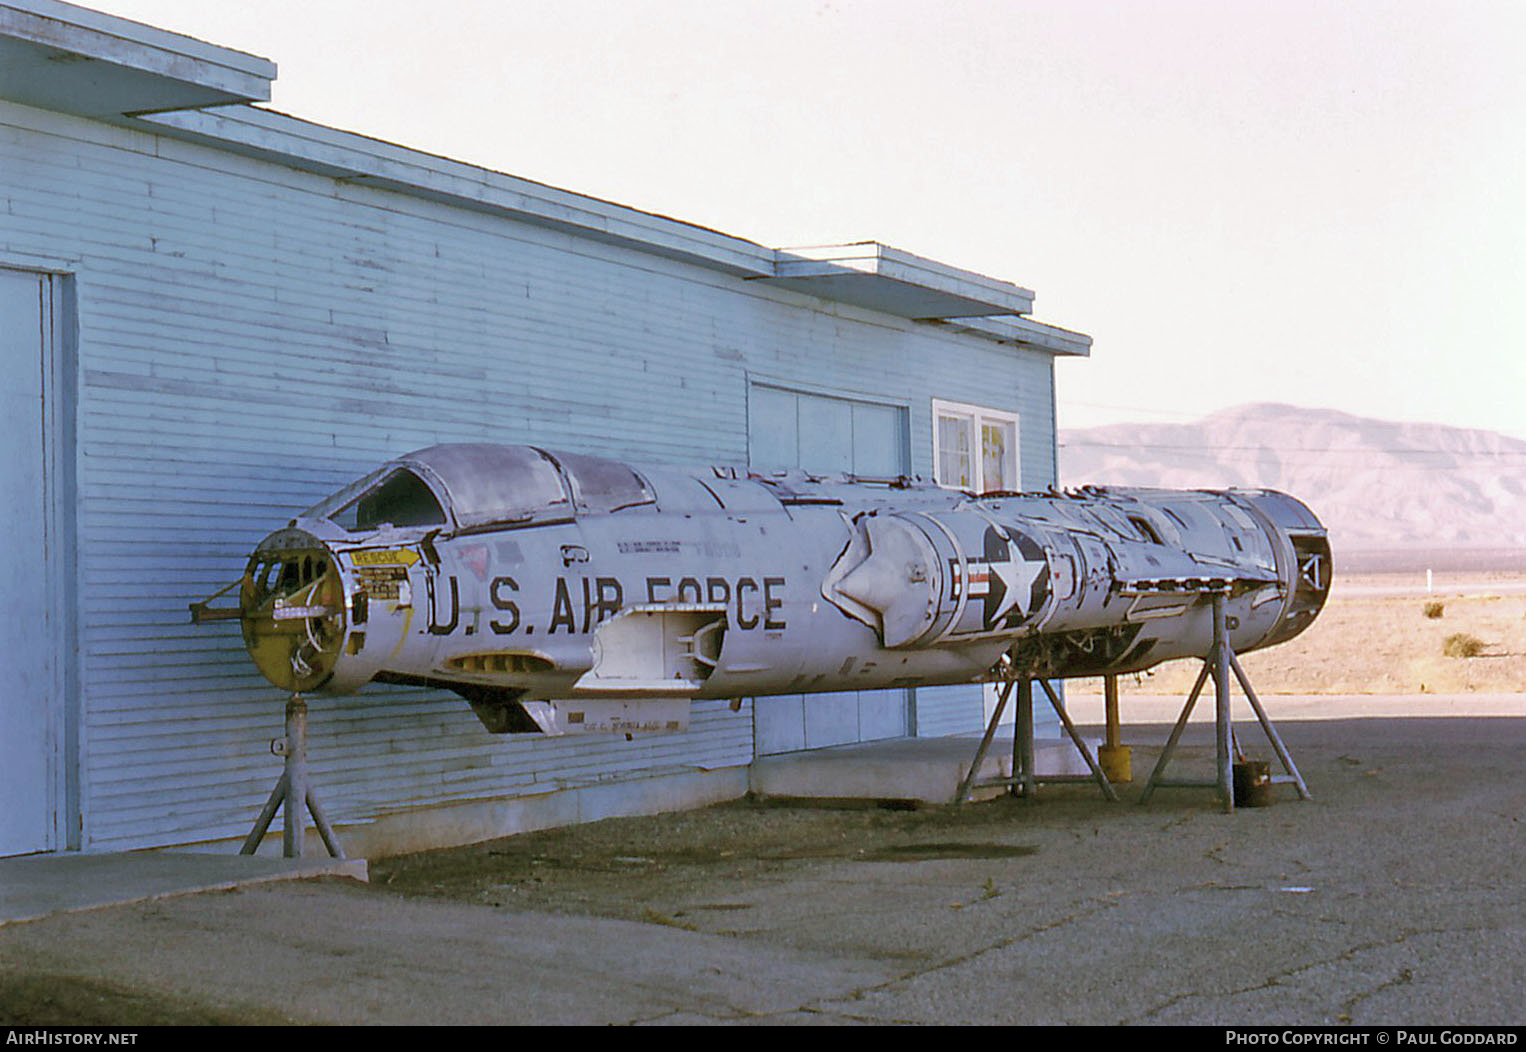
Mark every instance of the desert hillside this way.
pixel 1387 634
pixel 1377 484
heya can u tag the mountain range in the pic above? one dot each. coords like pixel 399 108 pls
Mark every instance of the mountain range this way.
pixel 1378 485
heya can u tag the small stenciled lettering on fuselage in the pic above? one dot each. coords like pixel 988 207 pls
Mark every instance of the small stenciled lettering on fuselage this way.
pixel 579 604
pixel 648 547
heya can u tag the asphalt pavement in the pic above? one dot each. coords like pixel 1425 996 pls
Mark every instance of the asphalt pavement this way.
pixel 1393 897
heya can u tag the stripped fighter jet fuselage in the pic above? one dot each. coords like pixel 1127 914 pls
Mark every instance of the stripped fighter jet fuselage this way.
pixel 564 592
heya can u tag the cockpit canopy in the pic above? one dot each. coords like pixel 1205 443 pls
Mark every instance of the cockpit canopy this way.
pixel 477 485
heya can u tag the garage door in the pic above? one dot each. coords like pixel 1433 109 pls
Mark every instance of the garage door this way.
pixel 819 433
pixel 29 702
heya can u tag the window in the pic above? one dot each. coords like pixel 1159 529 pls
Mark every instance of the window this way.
pixel 399 499
pixel 975 448
pixel 492 485
pixel 603 485
pixel 825 434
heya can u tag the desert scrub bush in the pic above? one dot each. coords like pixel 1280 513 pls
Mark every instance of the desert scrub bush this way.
pixel 1462 645
pixel 1434 610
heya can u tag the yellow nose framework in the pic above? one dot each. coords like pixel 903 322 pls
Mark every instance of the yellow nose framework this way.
pixel 291 608
pixel 291 605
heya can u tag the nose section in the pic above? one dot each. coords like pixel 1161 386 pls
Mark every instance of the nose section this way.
pixel 292 606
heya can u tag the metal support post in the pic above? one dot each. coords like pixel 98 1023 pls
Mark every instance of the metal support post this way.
pixel 1023 781
pixel 1086 754
pixel 1025 777
pixel 1110 710
pixel 1216 664
pixel 1115 757
pixel 1219 663
pixel 1176 733
pixel 963 794
pixel 293 791
pixel 1223 748
pixel 295 752
pixel 1286 758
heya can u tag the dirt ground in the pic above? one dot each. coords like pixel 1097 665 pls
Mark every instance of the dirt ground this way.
pixel 1373 637
pixel 649 869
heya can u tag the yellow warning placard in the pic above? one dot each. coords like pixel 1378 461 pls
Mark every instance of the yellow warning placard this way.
pixel 384 557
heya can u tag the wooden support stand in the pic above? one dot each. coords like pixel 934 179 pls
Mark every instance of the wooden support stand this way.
pixel 294 791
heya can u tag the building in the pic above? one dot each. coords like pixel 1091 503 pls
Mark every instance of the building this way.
pixel 214 315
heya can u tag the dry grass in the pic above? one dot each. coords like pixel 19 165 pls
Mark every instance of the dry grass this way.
pixel 1462 645
pixel 1369 642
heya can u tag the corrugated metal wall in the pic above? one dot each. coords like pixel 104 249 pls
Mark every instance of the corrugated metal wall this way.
pixel 251 337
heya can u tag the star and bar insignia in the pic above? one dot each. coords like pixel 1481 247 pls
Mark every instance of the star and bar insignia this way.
pixel 1011 577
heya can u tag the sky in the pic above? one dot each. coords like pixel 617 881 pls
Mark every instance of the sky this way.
pixel 1319 203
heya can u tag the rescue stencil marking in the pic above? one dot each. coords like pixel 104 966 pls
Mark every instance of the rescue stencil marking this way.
pixel 384 557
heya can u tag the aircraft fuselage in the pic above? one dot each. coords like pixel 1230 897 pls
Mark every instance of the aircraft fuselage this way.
pixel 517 576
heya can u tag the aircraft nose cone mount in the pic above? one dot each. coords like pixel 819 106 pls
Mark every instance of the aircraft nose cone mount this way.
pixel 291 605
pixel 893 576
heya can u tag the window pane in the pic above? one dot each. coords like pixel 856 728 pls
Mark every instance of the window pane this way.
pixel 879 440
pixel 490 484
pixel 603 485
pixel 773 436
pixel 402 499
pixel 956 467
pixel 996 456
pixel 826 435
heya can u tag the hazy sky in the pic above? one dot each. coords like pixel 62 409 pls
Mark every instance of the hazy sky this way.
pixel 1299 201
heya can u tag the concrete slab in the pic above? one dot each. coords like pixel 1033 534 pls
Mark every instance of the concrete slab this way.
pixel 1393 898
pixel 427 828
pixel 1138 708
pixel 36 886
pixel 927 770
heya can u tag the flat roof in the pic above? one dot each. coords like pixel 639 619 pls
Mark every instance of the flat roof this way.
pixel 887 279
pixel 61 57
pixel 57 56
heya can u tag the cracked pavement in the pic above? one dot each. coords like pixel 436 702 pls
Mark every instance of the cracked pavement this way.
pixel 1393 897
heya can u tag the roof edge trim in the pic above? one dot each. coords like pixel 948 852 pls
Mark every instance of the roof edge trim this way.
pixel 373 162
pixel 1025 332
pixel 98 36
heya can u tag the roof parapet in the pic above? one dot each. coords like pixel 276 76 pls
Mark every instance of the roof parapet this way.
pixel 869 274
pixel 61 57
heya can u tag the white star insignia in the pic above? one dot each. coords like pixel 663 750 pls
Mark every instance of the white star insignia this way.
pixel 1018 575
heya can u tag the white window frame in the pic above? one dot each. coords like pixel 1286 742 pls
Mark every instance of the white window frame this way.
pixel 976 416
